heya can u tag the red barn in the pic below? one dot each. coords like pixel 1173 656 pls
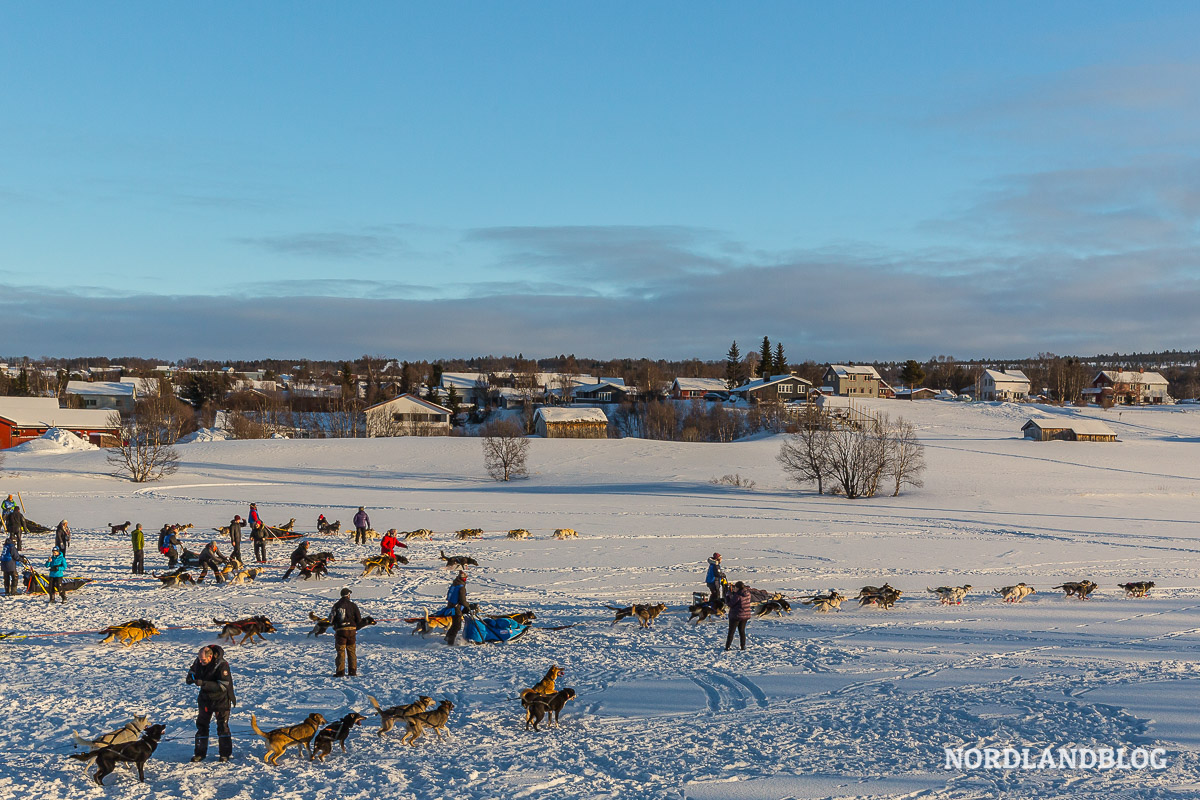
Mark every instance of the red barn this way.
pixel 26 418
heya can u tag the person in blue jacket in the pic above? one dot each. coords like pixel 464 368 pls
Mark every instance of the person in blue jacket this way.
pixel 456 599
pixel 58 567
pixel 714 578
pixel 10 563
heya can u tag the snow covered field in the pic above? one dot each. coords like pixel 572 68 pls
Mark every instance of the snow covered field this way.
pixel 857 704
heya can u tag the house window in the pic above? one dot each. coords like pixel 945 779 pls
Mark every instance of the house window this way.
pixel 785 388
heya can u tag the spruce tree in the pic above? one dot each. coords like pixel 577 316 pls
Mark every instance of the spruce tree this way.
pixel 780 366
pixel 764 359
pixel 733 367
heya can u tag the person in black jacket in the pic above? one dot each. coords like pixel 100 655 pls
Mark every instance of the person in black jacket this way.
pixel 258 535
pixel 346 620
pixel 16 526
pixel 235 537
pixel 740 608
pixel 210 673
pixel 62 537
pixel 298 556
pixel 211 558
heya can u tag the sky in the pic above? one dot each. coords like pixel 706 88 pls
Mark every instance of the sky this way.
pixel 859 180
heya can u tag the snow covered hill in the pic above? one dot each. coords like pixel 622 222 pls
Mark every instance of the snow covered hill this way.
pixel 857 704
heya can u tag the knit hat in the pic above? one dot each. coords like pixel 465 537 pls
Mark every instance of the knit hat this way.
pixel 717 555
pixel 345 592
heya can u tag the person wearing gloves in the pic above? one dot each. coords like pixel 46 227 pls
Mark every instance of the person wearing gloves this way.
pixel 210 674
pixel 138 540
pixel 10 562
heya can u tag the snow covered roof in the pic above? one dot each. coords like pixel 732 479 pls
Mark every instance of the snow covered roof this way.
pixel 1144 378
pixel 101 388
pixel 1087 427
pixel 761 382
pixel 43 412
pixel 405 398
pixel 572 415
pixel 1009 376
pixel 463 380
pixel 595 387
pixel 142 385
pixel 701 385
pixel 842 371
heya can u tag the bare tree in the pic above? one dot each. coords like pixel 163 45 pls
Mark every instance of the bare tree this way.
pixel 906 462
pixel 142 452
pixel 805 454
pixel 505 449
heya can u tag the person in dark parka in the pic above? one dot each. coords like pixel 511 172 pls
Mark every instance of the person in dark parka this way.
pixel 258 536
pixel 62 537
pixel 210 674
pixel 740 606
pixel 211 558
pixel 298 556
pixel 346 619
pixel 361 523
pixel 456 598
pixel 10 562
pixel 235 537
pixel 16 526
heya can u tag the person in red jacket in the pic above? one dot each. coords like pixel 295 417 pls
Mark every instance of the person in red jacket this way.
pixel 740 607
pixel 387 545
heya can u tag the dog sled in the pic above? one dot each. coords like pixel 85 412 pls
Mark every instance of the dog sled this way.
pixel 37 583
pixel 282 534
pixel 499 629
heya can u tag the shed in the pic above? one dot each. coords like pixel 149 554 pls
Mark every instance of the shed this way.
pixel 1069 430
pixel 571 423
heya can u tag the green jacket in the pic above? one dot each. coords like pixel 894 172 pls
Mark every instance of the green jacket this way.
pixel 139 538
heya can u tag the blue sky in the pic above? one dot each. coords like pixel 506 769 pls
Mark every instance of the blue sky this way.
pixel 856 180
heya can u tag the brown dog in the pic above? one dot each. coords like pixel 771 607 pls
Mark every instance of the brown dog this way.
pixel 246 628
pixel 546 684
pixel 281 739
pixel 1080 589
pixel 646 614
pixel 417 723
pixel 390 716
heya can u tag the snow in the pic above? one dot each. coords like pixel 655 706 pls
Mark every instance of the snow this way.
pixel 856 704
pixel 54 440
pixel 204 435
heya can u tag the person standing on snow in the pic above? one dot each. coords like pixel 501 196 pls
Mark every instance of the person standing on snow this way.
pixel 346 619
pixel 58 568
pixel 714 577
pixel 235 537
pixel 361 523
pixel 456 599
pixel 138 540
pixel 10 562
pixel 62 537
pixel 258 537
pixel 740 607
pixel 210 674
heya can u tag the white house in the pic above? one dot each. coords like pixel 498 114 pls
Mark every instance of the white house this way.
pixel 110 395
pixel 1000 384
pixel 407 415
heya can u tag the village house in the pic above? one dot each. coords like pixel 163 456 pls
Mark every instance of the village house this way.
pixel 1002 384
pixel 570 423
pixel 109 395
pixel 1068 430
pixel 920 393
pixel 775 389
pixel 696 388
pixel 26 418
pixel 407 415
pixel 1129 388
pixel 606 391
pixel 852 381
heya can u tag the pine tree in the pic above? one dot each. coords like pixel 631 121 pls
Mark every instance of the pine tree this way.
pixel 764 359
pixel 452 403
pixel 734 369
pixel 780 366
pixel 21 387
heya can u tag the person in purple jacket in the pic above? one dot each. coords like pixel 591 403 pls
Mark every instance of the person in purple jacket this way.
pixel 361 523
pixel 739 603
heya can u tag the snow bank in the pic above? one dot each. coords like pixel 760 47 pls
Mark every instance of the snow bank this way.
pixel 204 435
pixel 55 440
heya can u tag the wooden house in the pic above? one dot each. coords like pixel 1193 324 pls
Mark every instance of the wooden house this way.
pixel 570 423
pixel 1068 430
